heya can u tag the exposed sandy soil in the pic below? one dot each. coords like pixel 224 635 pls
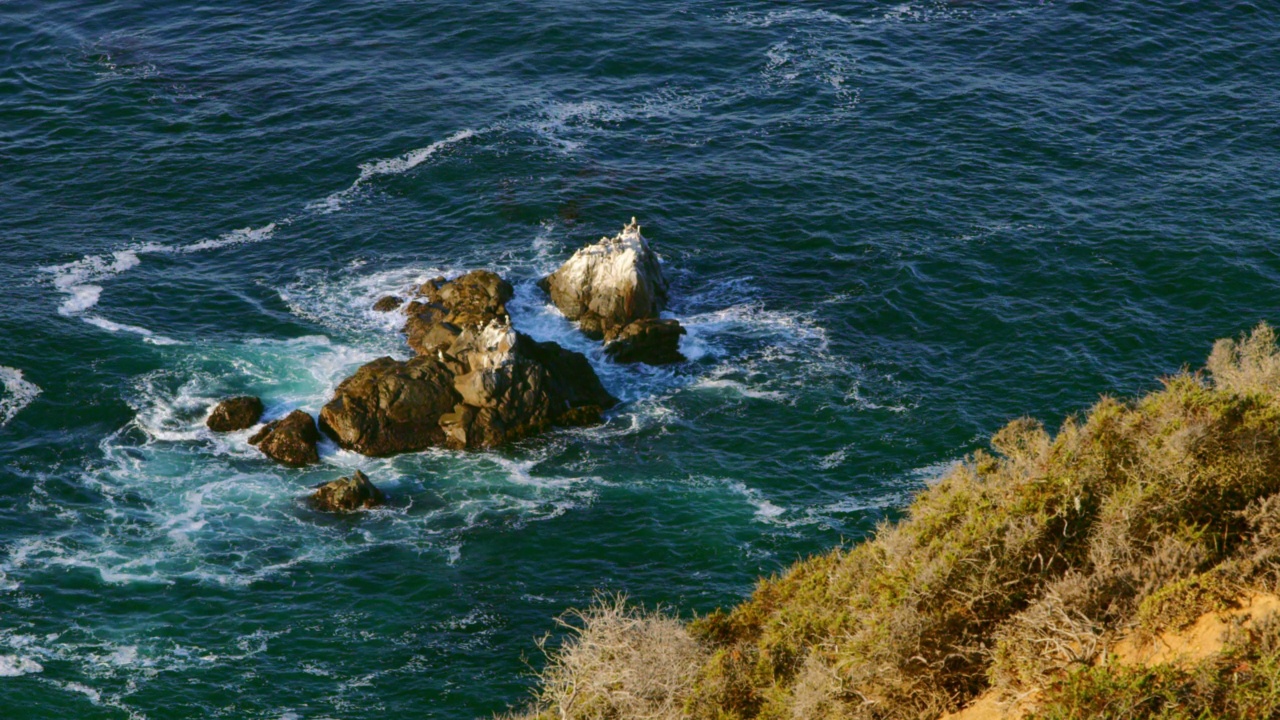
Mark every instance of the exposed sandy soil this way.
pixel 1188 646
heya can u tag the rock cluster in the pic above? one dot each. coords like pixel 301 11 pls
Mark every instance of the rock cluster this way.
pixel 237 413
pixel 347 494
pixel 476 382
pixel 615 291
pixel 290 440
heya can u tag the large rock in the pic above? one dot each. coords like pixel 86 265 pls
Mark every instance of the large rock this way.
pixel 290 440
pixel 656 342
pixel 237 413
pixel 347 494
pixel 444 308
pixel 512 386
pixel 391 406
pixel 608 285
pixel 491 385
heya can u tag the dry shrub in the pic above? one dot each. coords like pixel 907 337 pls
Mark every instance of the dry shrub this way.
pixel 1052 636
pixel 1248 365
pixel 619 661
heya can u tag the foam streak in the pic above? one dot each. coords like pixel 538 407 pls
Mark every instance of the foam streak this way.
pixel 19 393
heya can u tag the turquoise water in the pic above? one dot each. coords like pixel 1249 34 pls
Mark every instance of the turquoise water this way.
pixel 890 227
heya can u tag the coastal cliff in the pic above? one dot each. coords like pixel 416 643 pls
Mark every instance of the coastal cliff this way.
pixel 1038 578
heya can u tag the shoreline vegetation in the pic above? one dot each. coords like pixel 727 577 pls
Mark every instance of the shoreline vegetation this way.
pixel 1014 583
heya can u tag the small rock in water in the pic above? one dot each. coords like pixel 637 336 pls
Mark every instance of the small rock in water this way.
pixel 609 284
pixel 237 413
pixel 290 440
pixel 387 304
pixel 348 494
pixel 652 341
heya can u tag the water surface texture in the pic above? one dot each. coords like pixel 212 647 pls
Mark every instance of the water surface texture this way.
pixel 891 227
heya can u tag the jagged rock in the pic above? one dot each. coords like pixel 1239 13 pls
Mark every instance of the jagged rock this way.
pixel 388 303
pixel 446 308
pixel 237 413
pixel 491 385
pixel 390 406
pixel 290 440
pixel 512 386
pixel 347 494
pixel 656 342
pixel 607 285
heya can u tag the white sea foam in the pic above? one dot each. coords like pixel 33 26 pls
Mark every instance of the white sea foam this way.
pixel 19 393
pixel 81 281
pixel 765 510
pixel 78 280
pixel 147 335
pixel 566 126
pixel 387 166
pixel 738 388
pixel 236 237
pixel 15 666
pixel 791 16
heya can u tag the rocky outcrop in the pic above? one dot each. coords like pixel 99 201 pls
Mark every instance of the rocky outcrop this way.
pixel 476 382
pixel 391 406
pixel 615 290
pixel 237 413
pixel 347 494
pixel 512 386
pixel 290 440
pixel 444 308
pixel 656 342
pixel 607 285
pixel 491 385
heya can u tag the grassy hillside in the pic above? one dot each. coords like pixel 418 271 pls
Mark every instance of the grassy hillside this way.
pixel 1014 572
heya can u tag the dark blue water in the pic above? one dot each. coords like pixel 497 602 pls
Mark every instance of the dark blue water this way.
pixel 890 228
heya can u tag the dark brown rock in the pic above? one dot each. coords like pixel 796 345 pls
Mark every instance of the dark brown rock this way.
pixel 290 440
pixel 447 307
pixel 388 303
pixel 652 341
pixel 237 413
pixel 347 494
pixel 491 385
pixel 389 406
pixel 512 386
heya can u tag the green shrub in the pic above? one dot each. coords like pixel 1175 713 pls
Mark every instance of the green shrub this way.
pixel 1015 570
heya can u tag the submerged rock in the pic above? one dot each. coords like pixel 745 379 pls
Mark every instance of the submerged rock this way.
pixel 652 341
pixel 609 284
pixel 491 385
pixel 445 308
pixel 290 440
pixel 237 413
pixel 347 494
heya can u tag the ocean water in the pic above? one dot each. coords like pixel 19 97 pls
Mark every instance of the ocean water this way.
pixel 891 227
